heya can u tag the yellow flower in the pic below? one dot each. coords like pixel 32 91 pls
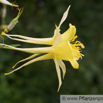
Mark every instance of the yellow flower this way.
pixel 8 3
pixel 62 47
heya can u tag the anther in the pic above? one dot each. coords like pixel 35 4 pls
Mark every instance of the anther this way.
pixel 74 38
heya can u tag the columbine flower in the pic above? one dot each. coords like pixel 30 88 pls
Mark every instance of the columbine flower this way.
pixel 63 47
pixel 13 22
pixel 8 3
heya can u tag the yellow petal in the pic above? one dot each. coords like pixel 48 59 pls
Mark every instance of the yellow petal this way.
pixel 69 34
pixel 75 64
pixel 64 16
pixel 63 67
pixel 57 37
pixel 58 72
pixel 63 51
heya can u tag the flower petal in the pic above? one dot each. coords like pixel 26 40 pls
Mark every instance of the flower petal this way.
pixel 57 37
pixel 64 16
pixel 75 64
pixel 63 67
pixel 63 51
pixel 69 34
pixel 58 72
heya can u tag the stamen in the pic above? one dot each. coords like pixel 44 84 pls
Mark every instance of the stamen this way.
pixel 78 48
pixel 74 38
pixel 76 42
pixel 82 55
pixel 82 46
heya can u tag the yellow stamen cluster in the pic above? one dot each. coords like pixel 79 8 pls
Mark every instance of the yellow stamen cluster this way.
pixel 76 47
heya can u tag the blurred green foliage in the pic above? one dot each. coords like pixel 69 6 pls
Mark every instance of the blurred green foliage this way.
pixel 38 82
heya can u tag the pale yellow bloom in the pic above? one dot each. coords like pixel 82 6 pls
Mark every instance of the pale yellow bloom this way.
pixel 62 47
pixel 8 3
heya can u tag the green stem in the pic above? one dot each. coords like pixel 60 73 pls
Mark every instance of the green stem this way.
pixel 3 15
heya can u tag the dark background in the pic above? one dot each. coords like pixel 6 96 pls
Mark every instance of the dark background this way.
pixel 38 82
